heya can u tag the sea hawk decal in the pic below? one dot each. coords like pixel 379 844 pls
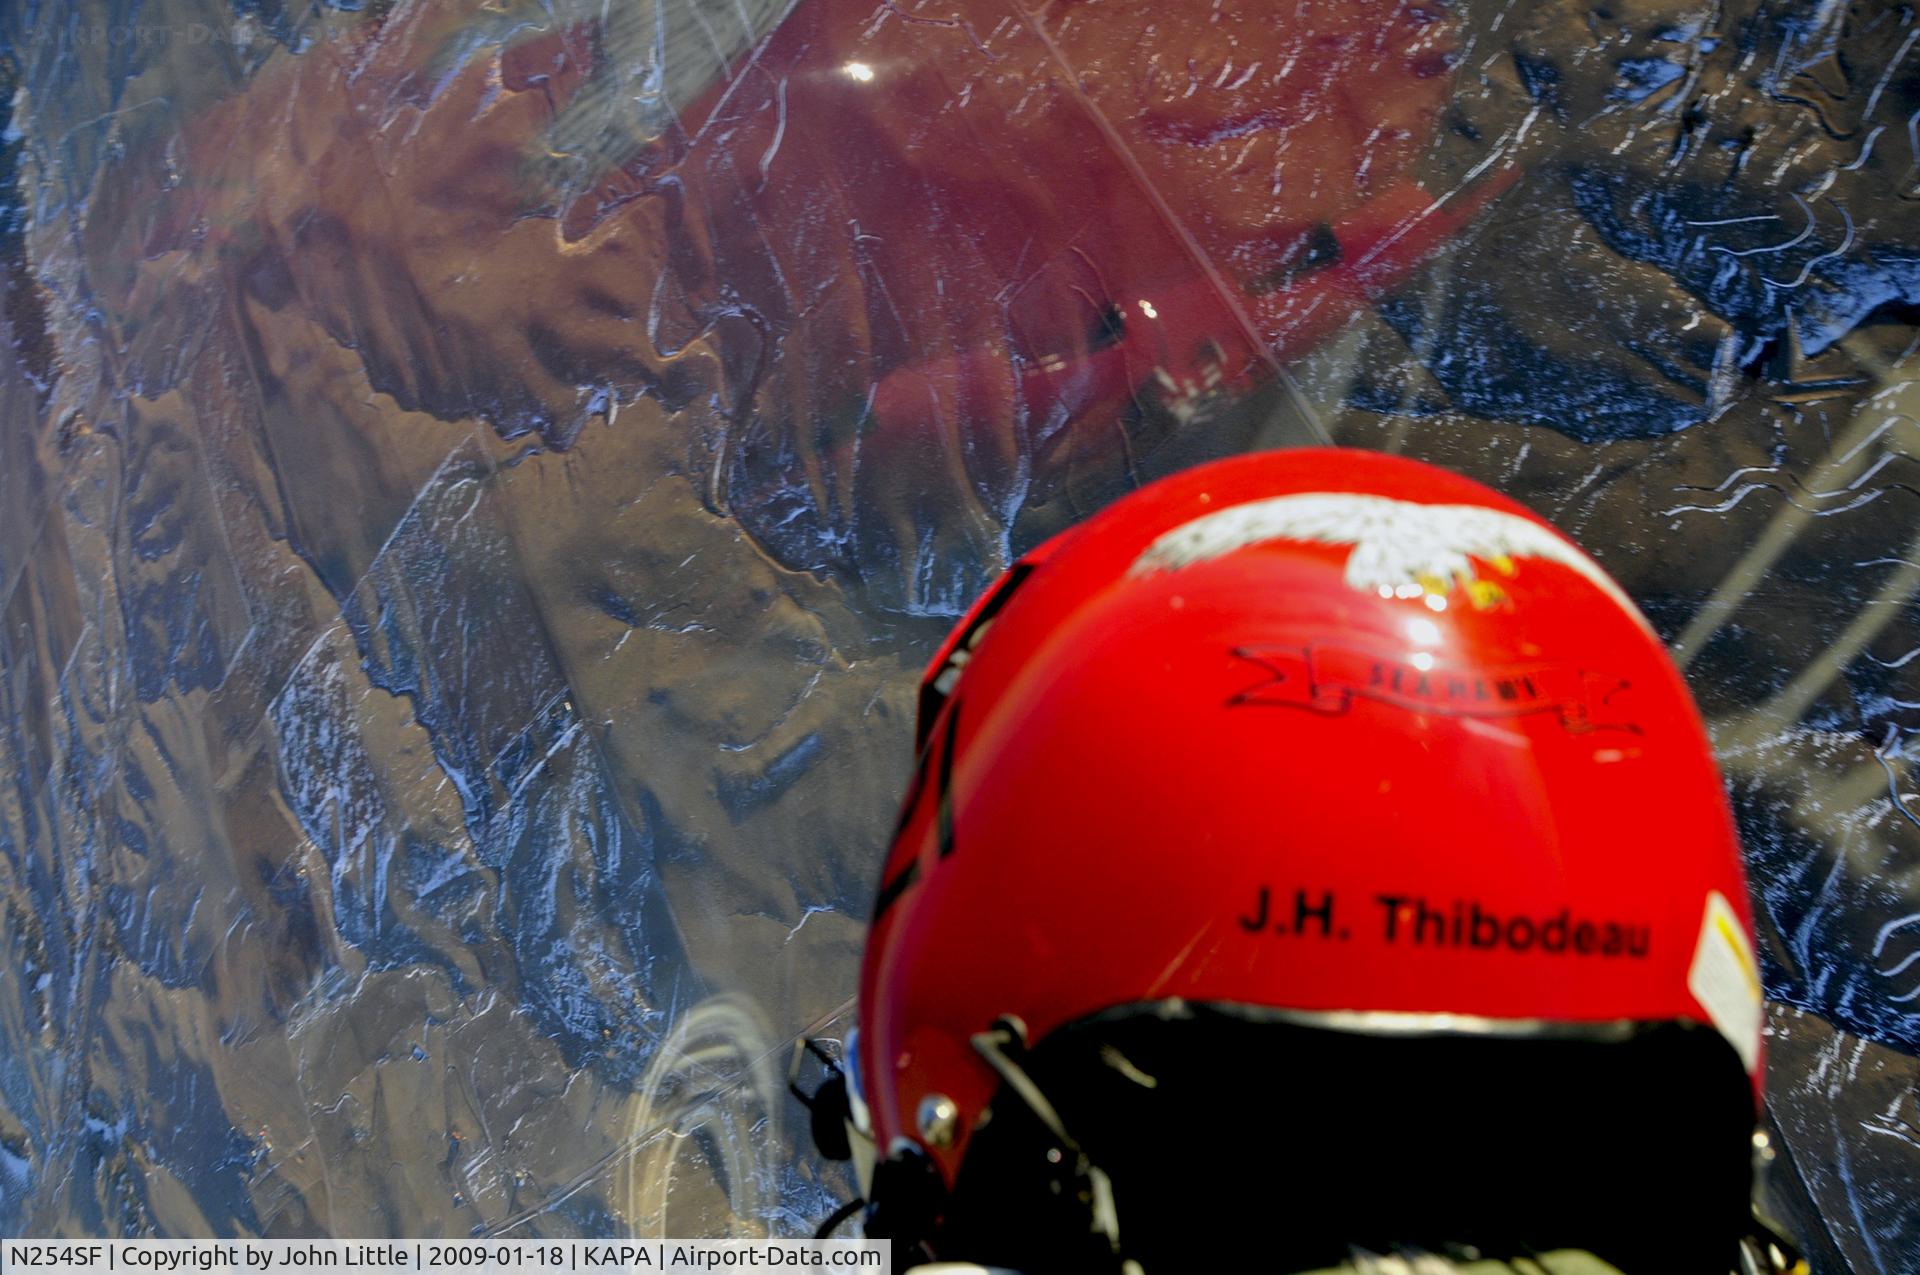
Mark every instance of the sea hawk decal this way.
pixel 1399 548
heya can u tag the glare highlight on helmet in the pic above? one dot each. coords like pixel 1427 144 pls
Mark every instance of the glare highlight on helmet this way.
pixel 1424 631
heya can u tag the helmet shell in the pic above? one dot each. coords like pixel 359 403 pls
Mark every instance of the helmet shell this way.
pixel 1317 730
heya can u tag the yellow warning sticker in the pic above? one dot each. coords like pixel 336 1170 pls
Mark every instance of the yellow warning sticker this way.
pixel 1725 979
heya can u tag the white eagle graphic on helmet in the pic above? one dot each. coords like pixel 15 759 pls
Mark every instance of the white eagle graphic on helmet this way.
pixel 1399 548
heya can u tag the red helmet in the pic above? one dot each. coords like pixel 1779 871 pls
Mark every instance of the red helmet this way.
pixel 1333 746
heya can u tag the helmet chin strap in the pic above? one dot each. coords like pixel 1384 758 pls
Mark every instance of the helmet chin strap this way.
pixel 998 1046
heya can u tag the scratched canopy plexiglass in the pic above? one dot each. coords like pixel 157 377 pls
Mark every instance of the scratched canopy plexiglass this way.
pixel 480 483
